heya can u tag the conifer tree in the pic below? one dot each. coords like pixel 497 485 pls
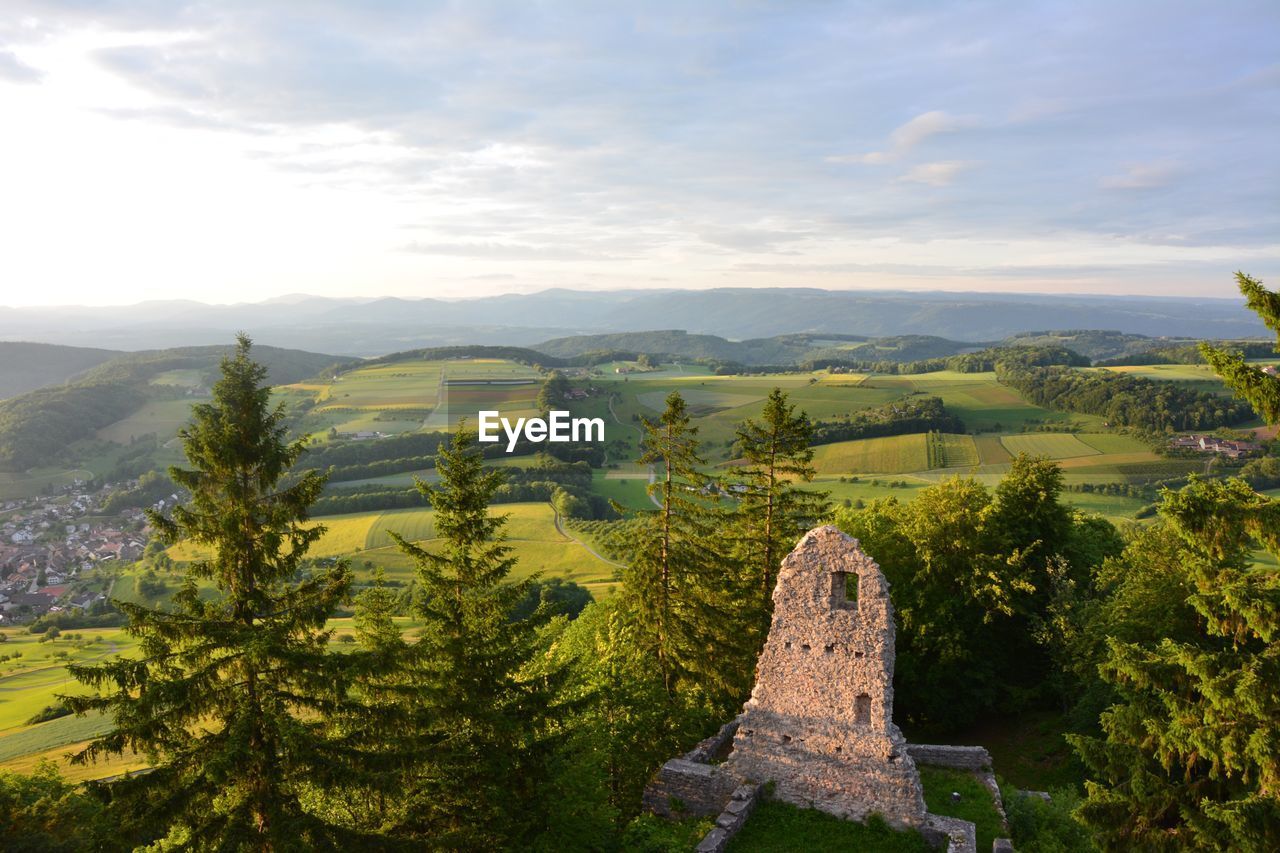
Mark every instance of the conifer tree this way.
pixel 772 513
pixel 481 733
pixel 1190 758
pixel 676 582
pixel 375 607
pixel 231 696
pixel 1260 389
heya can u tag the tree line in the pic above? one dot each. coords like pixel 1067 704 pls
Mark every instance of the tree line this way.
pixel 1124 400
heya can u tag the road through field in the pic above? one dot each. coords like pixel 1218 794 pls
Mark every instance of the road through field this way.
pixel 560 528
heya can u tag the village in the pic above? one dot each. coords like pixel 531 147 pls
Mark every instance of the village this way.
pixel 1229 448
pixel 49 545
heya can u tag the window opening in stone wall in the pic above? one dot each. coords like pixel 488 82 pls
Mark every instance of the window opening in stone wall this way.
pixel 844 590
pixel 862 709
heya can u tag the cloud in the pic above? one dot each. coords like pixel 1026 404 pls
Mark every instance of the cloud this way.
pixel 1142 176
pixel 907 136
pixel 936 174
pixel 16 71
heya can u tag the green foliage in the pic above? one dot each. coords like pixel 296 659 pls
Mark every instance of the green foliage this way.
pixel 37 427
pixel 1124 400
pixel 772 514
pixel 552 393
pixel 972 575
pixel 49 712
pixel 901 417
pixel 43 813
pixel 676 580
pixel 651 834
pixel 480 737
pixel 1190 752
pixel 1261 390
pixel 1045 827
pixel 230 697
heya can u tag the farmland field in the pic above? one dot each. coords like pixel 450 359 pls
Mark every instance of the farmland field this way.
pixel 161 417
pixel 896 454
pixel 530 529
pixel 1052 445
pixel 958 451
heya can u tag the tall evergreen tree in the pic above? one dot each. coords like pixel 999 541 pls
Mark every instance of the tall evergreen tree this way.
pixel 231 696
pixel 676 582
pixel 1190 757
pixel 482 731
pixel 1260 389
pixel 772 513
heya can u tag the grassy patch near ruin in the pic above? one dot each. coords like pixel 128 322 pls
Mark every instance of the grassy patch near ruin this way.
pixel 777 827
pixel 976 803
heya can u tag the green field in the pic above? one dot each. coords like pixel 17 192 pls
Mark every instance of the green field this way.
pixel 161 417
pixel 895 454
pixel 531 534
pixel 1052 445
pixel 958 451
pixel 37 482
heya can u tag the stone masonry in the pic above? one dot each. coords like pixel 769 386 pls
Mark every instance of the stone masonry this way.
pixel 819 723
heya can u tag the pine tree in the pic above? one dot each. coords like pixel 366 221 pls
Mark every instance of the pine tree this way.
pixel 375 607
pixel 482 732
pixel 772 513
pixel 232 696
pixel 1190 758
pixel 1247 381
pixel 675 586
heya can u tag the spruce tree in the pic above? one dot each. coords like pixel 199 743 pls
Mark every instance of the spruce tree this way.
pixel 675 587
pixel 481 733
pixel 1260 389
pixel 231 697
pixel 1190 757
pixel 772 513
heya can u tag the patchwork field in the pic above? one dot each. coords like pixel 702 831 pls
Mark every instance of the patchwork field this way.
pixel 897 454
pixel 1052 445
pixel 532 534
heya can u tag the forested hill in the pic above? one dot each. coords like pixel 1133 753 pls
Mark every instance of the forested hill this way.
pixel 780 350
pixel 36 428
pixel 27 366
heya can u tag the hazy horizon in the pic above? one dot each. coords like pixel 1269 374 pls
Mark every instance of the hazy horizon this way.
pixel 236 152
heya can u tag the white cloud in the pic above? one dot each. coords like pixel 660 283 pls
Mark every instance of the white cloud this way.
pixel 907 136
pixel 936 174
pixel 1142 176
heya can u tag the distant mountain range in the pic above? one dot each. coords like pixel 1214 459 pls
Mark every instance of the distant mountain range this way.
pixel 375 326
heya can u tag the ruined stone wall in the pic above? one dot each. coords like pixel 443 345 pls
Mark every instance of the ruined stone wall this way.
pixel 820 719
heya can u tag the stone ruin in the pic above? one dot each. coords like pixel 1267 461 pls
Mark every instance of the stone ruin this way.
pixel 819 723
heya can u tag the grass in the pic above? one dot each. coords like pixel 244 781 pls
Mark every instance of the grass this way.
pixel 1052 445
pixel 628 491
pixel 532 536
pixel 976 802
pixel 27 484
pixel 895 454
pixel 777 827
pixel 990 450
pixel 958 451
pixel 162 417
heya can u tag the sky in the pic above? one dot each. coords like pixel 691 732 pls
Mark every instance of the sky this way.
pixel 238 151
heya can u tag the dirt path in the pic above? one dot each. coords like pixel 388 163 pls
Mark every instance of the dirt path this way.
pixel 592 551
